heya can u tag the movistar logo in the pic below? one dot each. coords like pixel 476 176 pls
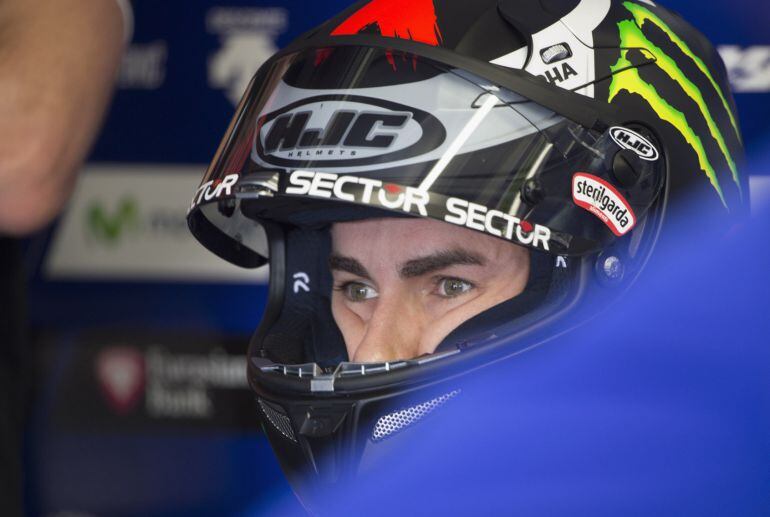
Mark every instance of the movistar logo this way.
pixel 108 227
pixel 632 37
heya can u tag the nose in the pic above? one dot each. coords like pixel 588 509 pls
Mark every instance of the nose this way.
pixel 393 332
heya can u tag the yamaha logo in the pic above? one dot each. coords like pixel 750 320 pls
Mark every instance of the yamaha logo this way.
pixel 634 142
pixel 346 131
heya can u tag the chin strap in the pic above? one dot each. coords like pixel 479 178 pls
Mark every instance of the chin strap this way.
pixel 305 330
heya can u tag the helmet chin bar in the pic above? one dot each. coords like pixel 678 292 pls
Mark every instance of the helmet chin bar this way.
pixel 328 424
pixel 322 381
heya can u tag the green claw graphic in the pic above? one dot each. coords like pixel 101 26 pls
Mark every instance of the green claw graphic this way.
pixel 628 79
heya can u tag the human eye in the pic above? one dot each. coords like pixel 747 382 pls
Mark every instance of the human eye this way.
pixel 357 291
pixel 453 287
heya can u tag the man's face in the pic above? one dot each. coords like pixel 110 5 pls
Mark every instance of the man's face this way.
pixel 402 285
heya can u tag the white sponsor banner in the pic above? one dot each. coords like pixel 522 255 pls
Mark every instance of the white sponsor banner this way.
pixel 129 223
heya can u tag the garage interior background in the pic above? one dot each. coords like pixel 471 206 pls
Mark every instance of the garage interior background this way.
pixel 141 405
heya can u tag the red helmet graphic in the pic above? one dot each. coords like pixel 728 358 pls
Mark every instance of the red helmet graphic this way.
pixel 405 19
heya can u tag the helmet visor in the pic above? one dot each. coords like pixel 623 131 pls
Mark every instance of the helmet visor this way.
pixel 323 133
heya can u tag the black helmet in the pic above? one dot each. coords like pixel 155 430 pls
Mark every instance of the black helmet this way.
pixel 565 127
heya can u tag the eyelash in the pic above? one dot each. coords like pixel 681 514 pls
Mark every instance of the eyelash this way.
pixel 345 286
pixel 437 282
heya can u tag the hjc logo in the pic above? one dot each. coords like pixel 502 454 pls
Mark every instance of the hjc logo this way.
pixel 335 130
pixel 345 129
pixel 635 142
pixel 559 74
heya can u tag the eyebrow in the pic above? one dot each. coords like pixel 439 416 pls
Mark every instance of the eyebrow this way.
pixel 415 267
pixel 438 261
pixel 349 265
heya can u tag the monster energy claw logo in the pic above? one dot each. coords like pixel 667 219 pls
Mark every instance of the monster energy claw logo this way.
pixel 632 37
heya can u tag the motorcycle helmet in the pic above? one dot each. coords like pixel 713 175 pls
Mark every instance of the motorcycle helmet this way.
pixel 567 127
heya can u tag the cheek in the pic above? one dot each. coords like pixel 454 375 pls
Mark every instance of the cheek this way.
pixel 443 322
pixel 445 319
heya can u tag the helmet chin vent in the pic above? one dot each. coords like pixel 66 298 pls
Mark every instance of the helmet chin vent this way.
pixel 392 423
pixel 278 419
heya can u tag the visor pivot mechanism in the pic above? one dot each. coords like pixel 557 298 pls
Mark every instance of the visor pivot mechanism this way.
pixel 623 169
pixel 611 269
pixel 226 207
pixel 532 191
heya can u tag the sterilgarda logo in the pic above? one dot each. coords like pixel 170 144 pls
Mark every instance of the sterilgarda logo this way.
pixel 345 131
pixel 416 201
pixel 604 201
pixel 627 78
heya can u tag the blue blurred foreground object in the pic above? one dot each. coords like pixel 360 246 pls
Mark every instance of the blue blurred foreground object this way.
pixel 658 406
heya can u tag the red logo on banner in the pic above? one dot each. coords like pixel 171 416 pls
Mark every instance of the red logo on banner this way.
pixel 404 19
pixel 121 375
